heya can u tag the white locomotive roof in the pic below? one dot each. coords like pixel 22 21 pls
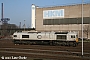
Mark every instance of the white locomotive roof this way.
pixel 30 32
pixel 72 32
pixel 16 33
pixel 65 33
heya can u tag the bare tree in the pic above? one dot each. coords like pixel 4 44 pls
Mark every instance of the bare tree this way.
pixel 86 30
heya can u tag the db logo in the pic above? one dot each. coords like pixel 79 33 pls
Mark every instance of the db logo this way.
pixel 39 36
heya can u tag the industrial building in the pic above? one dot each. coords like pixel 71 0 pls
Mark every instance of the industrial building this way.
pixel 61 18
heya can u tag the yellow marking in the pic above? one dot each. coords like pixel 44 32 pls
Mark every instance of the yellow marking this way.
pixel 76 39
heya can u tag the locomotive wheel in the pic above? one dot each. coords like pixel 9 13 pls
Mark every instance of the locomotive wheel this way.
pixel 51 42
pixel 74 44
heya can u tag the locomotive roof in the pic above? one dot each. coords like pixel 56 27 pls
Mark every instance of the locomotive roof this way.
pixel 46 32
pixel 65 33
pixel 61 32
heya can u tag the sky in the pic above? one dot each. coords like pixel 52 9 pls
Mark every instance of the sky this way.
pixel 20 10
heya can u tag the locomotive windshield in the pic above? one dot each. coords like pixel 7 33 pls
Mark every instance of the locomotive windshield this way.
pixel 72 36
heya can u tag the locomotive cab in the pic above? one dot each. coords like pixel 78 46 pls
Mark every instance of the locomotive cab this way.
pixel 67 38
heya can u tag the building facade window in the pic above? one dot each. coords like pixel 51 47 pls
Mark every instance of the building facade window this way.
pixel 66 21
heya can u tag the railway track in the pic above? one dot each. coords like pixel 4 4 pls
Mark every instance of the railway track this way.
pixel 40 52
pixel 7 48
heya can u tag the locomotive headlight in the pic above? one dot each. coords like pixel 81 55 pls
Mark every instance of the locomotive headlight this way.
pixel 15 36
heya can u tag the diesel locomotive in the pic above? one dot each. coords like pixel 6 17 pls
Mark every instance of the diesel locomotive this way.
pixel 51 38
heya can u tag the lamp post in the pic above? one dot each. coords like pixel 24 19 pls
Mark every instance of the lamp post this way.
pixel 82 27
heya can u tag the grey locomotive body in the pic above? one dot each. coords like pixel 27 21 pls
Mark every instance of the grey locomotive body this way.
pixel 52 38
